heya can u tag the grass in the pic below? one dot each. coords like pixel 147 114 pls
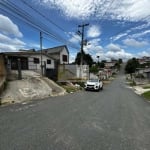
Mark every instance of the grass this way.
pixel 146 87
pixel 70 89
pixel 133 83
pixel 146 95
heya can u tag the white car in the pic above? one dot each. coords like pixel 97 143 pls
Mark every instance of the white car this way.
pixel 94 84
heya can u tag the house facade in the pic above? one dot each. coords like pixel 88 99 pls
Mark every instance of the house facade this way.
pixel 59 53
pixel 28 61
pixel 109 65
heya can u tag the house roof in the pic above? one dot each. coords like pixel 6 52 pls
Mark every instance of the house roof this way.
pixel 24 53
pixel 57 49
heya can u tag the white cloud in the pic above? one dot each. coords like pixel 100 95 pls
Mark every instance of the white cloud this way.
pixel 9 36
pixel 143 53
pixel 8 48
pixel 135 43
pixel 119 54
pixel 82 9
pixel 7 27
pixel 140 34
pixel 113 47
pixel 72 57
pixel 74 38
pixel 117 37
pixel 115 55
pixel 76 9
pixel 114 51
pixel 94 31
pixel 110 51
pixel 9 41
pixel 130 9
pixel 93 46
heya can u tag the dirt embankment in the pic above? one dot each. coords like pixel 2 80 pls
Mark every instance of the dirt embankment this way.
pixel 30 88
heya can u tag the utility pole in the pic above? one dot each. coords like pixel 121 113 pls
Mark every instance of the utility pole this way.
pixel 41 53
pixel 98 59
pixel 83 42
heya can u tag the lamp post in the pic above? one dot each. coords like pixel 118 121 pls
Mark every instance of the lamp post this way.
pixel 98 59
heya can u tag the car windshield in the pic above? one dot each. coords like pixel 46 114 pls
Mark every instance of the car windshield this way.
pixel 93 80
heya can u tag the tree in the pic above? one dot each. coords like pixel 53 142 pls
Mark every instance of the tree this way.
pixel 87 59
pixel 101 64
pixel 94 69
pixel 131 66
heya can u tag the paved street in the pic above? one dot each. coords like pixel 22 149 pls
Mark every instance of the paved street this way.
pixel 113 119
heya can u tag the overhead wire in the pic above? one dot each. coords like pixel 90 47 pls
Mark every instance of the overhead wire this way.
pixel 32 22
pixel 43 15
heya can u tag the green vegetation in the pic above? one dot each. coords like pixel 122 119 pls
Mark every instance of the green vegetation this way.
pixel 146 87
pixel 146 95
pixel 133 83
pixel 87 59
pixel 94 69
pixel 131 66
pixel 70 89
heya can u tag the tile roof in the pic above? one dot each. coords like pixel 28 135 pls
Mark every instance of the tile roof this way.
pixel 57 49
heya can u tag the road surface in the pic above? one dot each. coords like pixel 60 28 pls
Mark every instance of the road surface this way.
pixel 113 119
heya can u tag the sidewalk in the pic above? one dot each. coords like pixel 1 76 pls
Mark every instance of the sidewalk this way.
pixel 139 90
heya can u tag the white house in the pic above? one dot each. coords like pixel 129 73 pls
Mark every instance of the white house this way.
pixel 28 60
pixel 59 53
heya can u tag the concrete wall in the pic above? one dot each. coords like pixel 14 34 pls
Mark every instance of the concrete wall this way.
pixel 2 66
pixel 2 74
pixel 73 72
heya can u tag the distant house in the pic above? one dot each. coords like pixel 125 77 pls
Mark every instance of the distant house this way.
pixel 59 53
pixel 143 71
pixel 144 60
pixel 109 65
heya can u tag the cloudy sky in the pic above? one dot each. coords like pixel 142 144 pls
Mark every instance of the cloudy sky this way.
pixel 117 28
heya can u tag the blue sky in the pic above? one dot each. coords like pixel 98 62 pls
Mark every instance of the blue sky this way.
pixel 117 28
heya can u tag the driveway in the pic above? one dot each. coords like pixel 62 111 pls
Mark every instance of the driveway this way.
pixel 113 119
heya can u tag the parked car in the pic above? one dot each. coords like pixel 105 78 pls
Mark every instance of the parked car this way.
pixel 94 84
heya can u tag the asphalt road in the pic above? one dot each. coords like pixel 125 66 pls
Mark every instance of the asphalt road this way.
pixel 113 119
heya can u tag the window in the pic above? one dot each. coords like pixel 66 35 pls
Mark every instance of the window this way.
pixel 48 61
pixel 36 60
pixel 64 57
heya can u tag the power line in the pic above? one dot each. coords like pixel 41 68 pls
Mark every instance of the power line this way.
pixel 30 21
pixel 43 16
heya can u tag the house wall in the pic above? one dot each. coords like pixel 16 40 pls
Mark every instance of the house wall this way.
pixel 2 66
pixel 32 65
pixel 2 74
pixel 55 56
pixel 64 52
